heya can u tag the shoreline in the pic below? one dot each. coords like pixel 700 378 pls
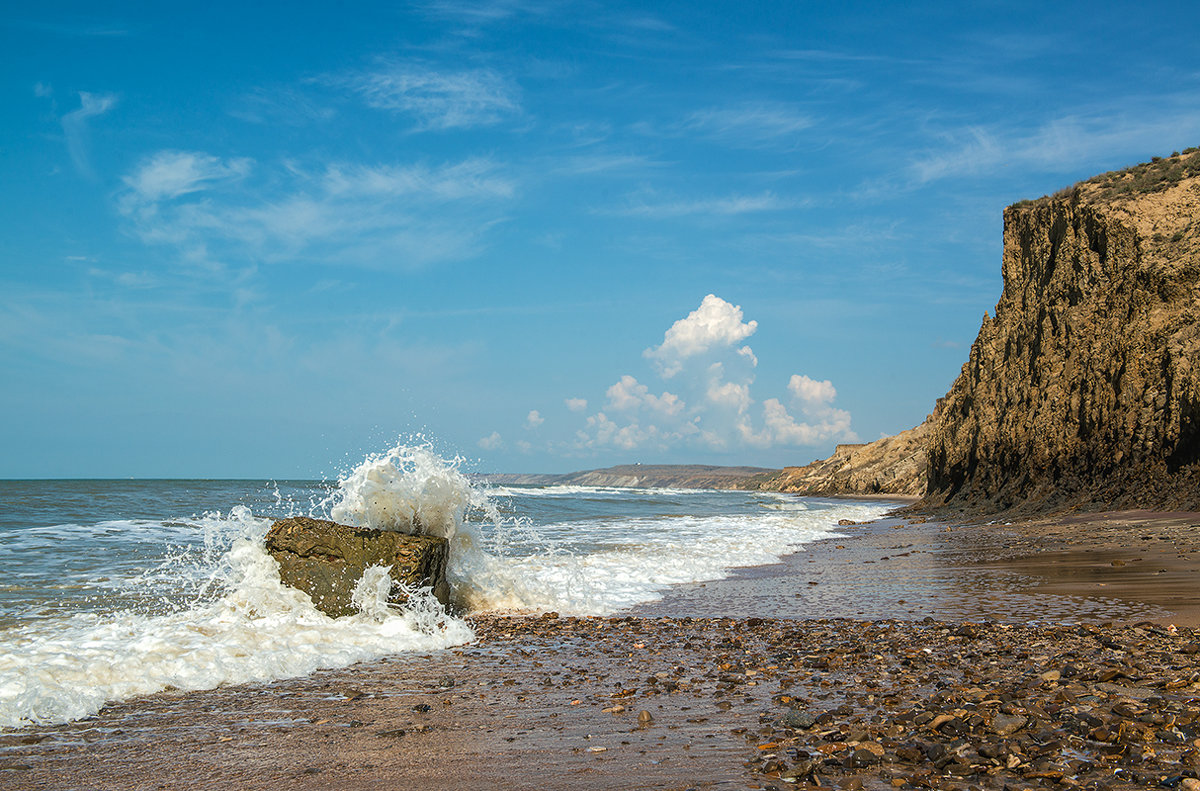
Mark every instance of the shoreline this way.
pixel 671 703
pixel 1120 566
pixel 904 666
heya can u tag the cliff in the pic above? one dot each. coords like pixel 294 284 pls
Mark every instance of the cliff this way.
pixel 1083 390
pixel 888 466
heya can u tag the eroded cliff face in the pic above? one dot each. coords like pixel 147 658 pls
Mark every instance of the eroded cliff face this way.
pixel 1084 388
pixel 889 466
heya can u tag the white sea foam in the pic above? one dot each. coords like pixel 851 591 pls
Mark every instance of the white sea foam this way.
pixel 257 630
pixel 626 562
pixel 573 490
pixel 594 567
pixel 598 550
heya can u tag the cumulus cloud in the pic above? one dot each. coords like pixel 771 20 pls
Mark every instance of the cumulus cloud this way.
pixel 714 407
pixel 492 441
pixel 576 404
pixel 601 432
pixel 810 391
pixel 534 419
pixel 729 394
pixel 628 394
pixel 781 428
pixel 714 325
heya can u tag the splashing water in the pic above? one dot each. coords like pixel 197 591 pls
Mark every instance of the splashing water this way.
pixel 241 625
pixel 506 563
pixel 218 614
pixel 407 489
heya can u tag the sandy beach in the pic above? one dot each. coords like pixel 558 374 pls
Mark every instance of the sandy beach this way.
pixel 899 654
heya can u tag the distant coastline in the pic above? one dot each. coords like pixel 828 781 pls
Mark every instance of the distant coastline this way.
pixel 638 476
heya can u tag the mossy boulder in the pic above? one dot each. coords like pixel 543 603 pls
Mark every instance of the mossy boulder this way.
pixel 326 560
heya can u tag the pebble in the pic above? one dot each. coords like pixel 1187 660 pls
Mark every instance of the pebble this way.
pixel 934 705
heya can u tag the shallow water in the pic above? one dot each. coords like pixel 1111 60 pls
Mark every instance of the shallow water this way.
pixel 120 588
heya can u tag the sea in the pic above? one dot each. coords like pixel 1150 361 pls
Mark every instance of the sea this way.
pixel 111 589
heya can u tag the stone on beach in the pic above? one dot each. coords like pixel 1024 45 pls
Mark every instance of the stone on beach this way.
pixel 326 560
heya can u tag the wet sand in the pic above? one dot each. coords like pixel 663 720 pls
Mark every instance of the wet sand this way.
pixel 1095 568
pixel 912 690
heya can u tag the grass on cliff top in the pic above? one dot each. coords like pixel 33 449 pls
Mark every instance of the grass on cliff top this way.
pixel 1157 174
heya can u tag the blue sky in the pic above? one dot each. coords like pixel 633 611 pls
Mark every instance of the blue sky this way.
pixel 263 239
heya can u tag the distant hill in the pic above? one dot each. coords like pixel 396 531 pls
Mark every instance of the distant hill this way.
pixel 641 476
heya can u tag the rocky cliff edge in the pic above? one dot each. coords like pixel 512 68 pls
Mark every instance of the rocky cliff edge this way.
pixel 1083 389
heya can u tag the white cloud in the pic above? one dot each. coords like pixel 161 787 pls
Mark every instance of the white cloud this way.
pixel 715 409
pixel 590 164
pixel 1066 143
pixel 603 432
pixel 750 125
pixel 170 174
pixel 644 206
pixel 534 419
pixel 492 441
pixel 470 179
pixel 715 324
pixel 438 99
pixel 810 391
pixel 75 130
pixel 377 216
pixel 629 395
pixel 576 404
pixel 731 395
pixel 489 11
pixel 524 446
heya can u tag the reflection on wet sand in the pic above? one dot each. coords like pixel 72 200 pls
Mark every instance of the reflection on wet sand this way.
pixel 1061 572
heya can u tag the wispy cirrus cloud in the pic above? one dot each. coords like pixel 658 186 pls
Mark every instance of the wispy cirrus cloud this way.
pixel 286 105
pixel 592 164
pixel 1064 143
pixel 75 127
pixel 438 99
pixel 472 178
pixel 77 28
pixel 750 125
pixel 169 174
pixel 646 205
pixel 377 216
pixel 487 11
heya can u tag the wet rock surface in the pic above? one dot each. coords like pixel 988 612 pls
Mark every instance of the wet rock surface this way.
pixel 678 703
pixel 326 560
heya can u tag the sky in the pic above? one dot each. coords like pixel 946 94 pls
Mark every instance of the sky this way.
pixel 263 240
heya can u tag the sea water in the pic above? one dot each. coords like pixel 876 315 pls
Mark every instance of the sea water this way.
pixel 111 589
